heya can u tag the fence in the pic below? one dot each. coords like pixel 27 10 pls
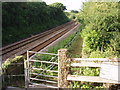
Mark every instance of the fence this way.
pixel 65 63
pixel 109 69
pixel 31 75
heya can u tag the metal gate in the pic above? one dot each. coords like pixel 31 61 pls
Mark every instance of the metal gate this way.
pixel 41 70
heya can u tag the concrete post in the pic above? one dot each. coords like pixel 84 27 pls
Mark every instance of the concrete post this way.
pixel 63 69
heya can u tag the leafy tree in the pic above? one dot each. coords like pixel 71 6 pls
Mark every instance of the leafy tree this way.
pixel 101 29
pixel 59 6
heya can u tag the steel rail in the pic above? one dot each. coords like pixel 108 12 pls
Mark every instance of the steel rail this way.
pixel 13 46
pixel 23 47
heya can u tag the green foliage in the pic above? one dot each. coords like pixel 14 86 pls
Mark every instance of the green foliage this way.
pixel 86 85
pixel 61 44
pixel 85 71
pixel 101 31
pixel 59 6
pixel 23 19
pixel 8 62
pixel 100 37
pixel 10 67
pixel 99 54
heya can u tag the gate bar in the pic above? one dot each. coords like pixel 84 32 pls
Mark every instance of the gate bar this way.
pixel 42 53
pixel 44 75
pixel 42 61
pixel 45 70
pixel 43 80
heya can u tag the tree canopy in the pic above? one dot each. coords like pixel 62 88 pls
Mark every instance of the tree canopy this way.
pixel 59 6
pixel 22 19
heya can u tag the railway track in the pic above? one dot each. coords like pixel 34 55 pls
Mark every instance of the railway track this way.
pixel 36 42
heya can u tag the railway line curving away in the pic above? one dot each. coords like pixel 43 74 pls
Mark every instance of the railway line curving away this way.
pixel 36 42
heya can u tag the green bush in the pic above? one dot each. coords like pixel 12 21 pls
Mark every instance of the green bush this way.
pixel 10 67
pixel 101 32
pixel 8 62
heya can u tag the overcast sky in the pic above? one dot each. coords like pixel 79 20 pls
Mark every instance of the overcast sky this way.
pixel 70 4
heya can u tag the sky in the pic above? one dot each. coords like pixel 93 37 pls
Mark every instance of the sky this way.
pixel 70 4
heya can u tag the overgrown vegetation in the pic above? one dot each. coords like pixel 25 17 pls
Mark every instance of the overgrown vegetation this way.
pixel 100 35
pixel 8 62
pixel 85 71
pixel 23 19
pixel 10 68
pixel 62 44
pixel 101 29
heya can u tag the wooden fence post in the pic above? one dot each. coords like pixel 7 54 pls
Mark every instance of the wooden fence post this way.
pixel 63 69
